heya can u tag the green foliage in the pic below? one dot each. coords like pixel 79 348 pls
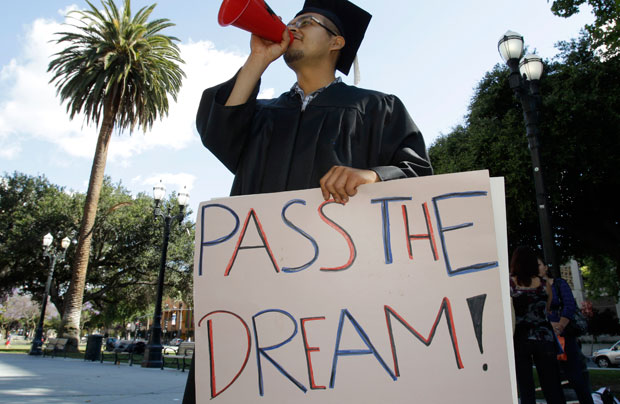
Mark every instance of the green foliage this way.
pixel 600 278
pixel 30 207
pixel 125 258
pixel 125 254
pixel 605 31
pixel 580 152
pixel 493 139
pixel 582 119
pixel 119 61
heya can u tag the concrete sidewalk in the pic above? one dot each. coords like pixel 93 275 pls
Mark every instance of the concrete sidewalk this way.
pixel 34 379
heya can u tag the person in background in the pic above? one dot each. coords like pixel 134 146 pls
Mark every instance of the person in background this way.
pixel 561 313
pixel 534 339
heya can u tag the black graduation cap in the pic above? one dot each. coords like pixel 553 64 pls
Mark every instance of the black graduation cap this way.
pixel 351 21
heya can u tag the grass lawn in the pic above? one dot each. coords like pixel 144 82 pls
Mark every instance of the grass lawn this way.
pixel 605 378
pixel 598 378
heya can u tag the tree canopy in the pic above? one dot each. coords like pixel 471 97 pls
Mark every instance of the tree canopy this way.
pixel 125 254
pixel 605 31
pixel 580 151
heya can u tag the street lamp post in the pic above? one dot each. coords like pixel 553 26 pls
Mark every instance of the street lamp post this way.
pixel 54 256
pixel 153 351
pixel 524 80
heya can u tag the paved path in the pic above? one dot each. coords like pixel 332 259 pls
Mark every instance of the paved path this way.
pixel 28 379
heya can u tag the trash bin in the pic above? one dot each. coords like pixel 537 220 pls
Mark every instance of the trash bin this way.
pixel 93 347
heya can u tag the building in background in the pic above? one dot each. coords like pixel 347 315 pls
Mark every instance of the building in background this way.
pixel 177 320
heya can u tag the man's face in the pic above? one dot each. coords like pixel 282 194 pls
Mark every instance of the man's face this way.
pixel 313 34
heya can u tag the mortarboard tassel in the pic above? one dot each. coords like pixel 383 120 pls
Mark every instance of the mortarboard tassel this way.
pixel 356 71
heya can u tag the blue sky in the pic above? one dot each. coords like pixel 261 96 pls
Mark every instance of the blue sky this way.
pixel 430 54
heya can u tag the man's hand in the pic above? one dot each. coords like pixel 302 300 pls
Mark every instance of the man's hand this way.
pixel 341 182
pixel 265 51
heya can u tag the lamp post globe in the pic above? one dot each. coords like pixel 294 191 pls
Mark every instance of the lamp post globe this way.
pixel 510 46
pixel 531 66
pixel 159 191
pixel 183 197
pixel 65 243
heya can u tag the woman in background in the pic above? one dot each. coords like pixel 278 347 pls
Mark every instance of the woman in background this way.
pixel 561 313
pixel 534 339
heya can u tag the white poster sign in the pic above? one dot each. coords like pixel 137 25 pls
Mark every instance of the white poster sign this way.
pixel 399 296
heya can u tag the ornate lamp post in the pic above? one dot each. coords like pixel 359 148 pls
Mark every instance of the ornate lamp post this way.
pixel 153 351
pixel 53 255
pixel 524 80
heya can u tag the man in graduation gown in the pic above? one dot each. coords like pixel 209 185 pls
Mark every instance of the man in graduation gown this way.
pixel 322 133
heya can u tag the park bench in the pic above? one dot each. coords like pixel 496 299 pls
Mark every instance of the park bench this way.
pixel 117 356
pixel 181 355
pixel 55 345
pixel 120 352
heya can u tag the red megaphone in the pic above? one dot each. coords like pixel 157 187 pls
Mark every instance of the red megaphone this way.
pixel 254 16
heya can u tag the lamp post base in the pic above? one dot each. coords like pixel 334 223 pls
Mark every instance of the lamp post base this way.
pixel 35 349
pixel 153 356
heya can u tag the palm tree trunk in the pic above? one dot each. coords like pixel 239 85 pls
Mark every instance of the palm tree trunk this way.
pixel 75 293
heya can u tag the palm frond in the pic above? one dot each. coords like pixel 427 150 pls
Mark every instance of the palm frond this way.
pixel 111 53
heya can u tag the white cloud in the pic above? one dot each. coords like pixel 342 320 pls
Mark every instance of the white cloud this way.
pixel 29 107
pixel 64 11
pixel 9 150
pixel 173 182
pixel 204 66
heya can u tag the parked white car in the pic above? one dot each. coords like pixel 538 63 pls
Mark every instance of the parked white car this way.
pixel 605 358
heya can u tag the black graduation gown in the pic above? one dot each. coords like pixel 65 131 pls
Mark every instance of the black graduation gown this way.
pixel 272 145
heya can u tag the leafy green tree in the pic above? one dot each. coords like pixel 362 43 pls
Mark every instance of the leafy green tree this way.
pixel 605 31
pixel 580 151
pixel 118 70
pixel 600 277
pixel 493 138
pixel 29 208
pixel 125 254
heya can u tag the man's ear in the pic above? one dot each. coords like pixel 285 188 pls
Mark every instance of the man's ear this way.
pixel 337 43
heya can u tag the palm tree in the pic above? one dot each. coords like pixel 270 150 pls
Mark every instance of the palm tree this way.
pixel 118 70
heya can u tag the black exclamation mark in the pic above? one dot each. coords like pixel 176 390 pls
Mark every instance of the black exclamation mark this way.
pixel 476 308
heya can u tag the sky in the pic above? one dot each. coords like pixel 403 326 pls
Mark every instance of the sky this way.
pixel 430 54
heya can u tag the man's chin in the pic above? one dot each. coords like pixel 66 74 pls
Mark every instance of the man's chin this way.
pixel 293 56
